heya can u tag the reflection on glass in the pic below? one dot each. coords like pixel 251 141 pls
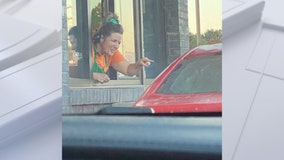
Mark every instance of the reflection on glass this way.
pixel 127 47
pixel 72 40
pixel 200 74
pixel 96 16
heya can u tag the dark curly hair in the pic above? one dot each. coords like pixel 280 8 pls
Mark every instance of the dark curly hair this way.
pixel 74 31
pixel 110 25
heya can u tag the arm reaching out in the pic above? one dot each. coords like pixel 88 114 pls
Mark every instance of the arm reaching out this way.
pixel 132 69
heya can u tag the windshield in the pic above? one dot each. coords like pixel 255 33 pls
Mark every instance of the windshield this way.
pixel 201 74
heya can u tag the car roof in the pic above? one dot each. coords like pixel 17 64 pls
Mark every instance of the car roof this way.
pixel 203 50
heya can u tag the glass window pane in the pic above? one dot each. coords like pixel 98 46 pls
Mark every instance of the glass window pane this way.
pixel 124 10
pixel 154 37
pixel 71 22
pixel 201 74
pixel 78 35
pixel 95 12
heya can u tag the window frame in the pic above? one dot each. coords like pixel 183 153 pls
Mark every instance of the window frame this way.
pixel 83 18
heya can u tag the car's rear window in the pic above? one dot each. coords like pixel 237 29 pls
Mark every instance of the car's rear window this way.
pixel 201 74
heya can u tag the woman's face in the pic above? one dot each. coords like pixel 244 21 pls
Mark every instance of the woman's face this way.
pixel 111 43
pixel 73 41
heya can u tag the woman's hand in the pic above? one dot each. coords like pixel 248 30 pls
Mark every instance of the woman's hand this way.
pixel 144 62
pixel 132 69
pixel 100 77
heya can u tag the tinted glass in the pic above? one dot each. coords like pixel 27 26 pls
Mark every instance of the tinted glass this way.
pixel 201 74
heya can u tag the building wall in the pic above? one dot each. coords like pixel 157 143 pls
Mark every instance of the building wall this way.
pixel 65 61
pixel 89 100
pixel 177 31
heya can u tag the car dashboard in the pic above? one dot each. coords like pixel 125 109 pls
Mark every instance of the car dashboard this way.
pixel 141 137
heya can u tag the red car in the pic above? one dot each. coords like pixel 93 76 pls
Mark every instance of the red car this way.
pixel 190 84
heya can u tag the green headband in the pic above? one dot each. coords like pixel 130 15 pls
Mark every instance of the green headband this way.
pixel 112 20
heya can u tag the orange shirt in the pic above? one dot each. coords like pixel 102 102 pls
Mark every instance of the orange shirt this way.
pixel 104 61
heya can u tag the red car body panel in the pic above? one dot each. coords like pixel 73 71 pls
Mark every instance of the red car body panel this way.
pixel 180 103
